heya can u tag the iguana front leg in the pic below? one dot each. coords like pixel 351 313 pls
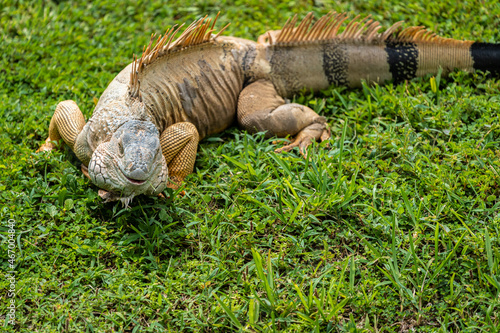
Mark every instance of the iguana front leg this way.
pixel 66 123
pixel 179 144
pixel 260 108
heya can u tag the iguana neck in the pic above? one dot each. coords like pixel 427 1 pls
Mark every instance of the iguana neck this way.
pixel 115 107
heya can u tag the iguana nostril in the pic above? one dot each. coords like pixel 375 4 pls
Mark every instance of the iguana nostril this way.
pixel 138 174
pixel 138 160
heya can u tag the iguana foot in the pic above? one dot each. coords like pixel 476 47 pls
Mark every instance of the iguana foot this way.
pixel 262 109
pixel 313 132
pixel 66 123
pixel 174 183
pixel 107 196
pixel 110 197
pixel 163 197
pixel 85 171
pixel 47 146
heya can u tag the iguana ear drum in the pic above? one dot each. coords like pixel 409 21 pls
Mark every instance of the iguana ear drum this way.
pixel 486 57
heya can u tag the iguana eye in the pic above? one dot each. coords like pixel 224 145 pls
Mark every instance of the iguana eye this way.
pixel 120 147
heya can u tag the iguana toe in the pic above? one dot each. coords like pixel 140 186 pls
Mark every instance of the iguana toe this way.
pixel 47 146
pixel 313 132
pixel 302 143
pixel 106 195
pixel 85 171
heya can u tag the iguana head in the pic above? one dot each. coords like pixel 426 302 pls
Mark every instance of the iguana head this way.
pixel 131 163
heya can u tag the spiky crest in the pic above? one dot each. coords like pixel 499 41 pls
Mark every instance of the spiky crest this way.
pixel 198 32
pixel 362 31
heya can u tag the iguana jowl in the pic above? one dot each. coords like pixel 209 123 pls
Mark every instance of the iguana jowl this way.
pixel 153 114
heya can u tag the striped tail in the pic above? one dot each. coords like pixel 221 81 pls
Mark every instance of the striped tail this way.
pixel 316 55
pixel 486 57
pixel 409 55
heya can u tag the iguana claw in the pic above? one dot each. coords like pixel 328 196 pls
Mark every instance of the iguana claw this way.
pixel 85 171
pixel 110 196
pixel 107 196
pixel 317 131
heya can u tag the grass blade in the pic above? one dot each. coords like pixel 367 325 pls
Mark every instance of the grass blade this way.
pixel 228 311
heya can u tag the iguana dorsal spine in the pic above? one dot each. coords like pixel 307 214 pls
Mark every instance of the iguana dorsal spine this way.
pixel 198 32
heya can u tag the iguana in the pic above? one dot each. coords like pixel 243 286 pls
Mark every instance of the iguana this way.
pixel 145 129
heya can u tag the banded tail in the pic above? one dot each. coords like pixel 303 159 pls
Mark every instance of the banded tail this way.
pixel 316 56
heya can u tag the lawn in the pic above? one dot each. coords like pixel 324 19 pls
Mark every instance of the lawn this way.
pixel 393 225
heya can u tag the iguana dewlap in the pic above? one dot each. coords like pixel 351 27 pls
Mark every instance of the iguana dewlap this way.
pixel 145 129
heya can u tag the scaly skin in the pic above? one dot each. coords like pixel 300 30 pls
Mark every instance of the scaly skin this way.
pixel 148 122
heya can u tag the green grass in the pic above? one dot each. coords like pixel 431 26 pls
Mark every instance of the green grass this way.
pixel 393 225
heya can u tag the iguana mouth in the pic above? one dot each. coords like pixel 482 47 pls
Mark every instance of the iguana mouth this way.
pixel 135 181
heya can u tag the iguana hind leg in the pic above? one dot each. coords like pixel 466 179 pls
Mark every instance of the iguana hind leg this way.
pixel 66 123
pixel 179 144
pixel 260 109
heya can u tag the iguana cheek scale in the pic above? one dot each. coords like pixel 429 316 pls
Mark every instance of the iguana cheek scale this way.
pixel 145 129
